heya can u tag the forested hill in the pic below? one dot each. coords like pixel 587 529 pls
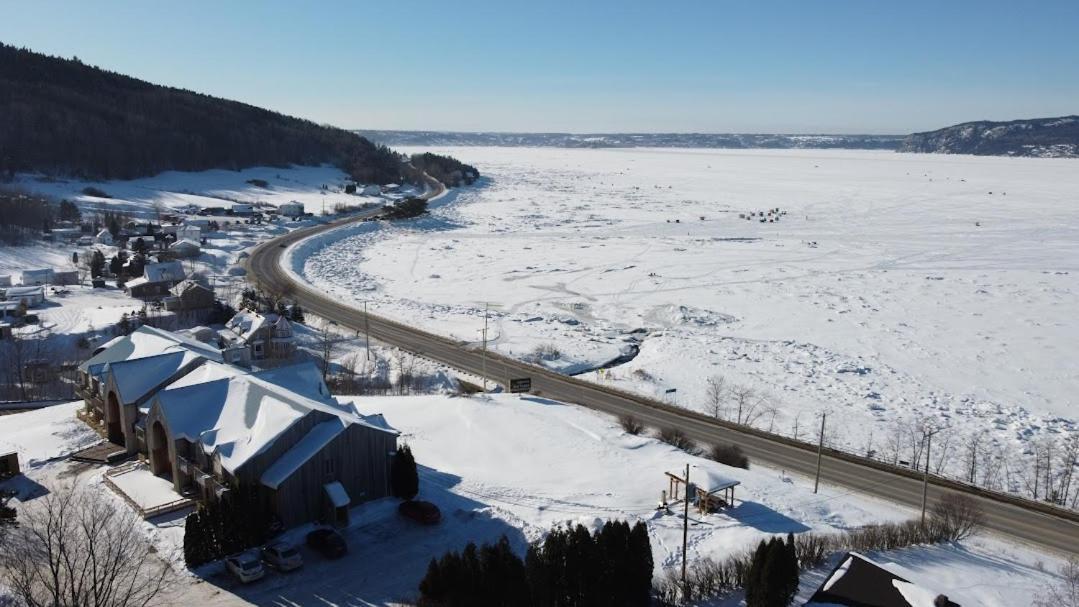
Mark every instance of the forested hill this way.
pixel 1040 137
pixel 61 116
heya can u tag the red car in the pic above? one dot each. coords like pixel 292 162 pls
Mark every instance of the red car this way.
pixel 420 511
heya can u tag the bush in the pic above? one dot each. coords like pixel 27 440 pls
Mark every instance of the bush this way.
pixel 956 517
pixel 631 424
pixel 543 352
pixel 92 191
pixel 730 455
pixel 678 439
pixel 406 209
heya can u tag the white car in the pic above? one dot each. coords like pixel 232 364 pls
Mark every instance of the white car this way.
pixel 245 566
pixel 282 556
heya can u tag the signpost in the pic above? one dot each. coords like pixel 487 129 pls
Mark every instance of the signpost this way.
pixel 523 384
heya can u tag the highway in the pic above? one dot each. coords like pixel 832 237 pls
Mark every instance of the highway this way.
pixel 1033 523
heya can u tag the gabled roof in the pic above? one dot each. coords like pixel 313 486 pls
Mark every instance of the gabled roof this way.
pixel 163 271
pixel 23 291
pixel 142 342
pixel 186 284
pixel 860 582
pixel 304 449
pixel 135 378
pixel 238 417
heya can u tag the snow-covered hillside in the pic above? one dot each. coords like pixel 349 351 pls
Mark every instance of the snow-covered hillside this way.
pixel 893 290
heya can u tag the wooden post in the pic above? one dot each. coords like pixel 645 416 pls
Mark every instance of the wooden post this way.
pixel 685 540
pixel 820 451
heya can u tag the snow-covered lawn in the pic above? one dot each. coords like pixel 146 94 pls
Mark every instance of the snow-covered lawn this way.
pixel 515 466
pixel 896 289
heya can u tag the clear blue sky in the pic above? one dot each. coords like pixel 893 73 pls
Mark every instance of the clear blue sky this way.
pixel 710 66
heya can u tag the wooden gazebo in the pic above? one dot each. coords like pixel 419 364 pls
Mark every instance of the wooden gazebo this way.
pixel 711 491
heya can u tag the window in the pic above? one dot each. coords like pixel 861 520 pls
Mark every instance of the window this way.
pixel 328 467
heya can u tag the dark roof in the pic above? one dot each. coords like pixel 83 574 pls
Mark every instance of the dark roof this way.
pixel 859 582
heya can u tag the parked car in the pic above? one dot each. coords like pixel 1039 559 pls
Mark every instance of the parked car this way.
pixel 327 542
pixel 245 567
pixel 420 511
pixel 282 556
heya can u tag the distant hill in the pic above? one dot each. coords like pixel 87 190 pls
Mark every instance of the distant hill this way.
pixel 636 140
pixel 60 116
pixel 1039 137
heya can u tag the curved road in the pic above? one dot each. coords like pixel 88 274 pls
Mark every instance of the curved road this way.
pixel 1031 522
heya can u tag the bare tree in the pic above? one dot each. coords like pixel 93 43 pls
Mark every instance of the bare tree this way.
pixel 746 402
pixel 1066 592
pixel 327 345
pixel 716 395
pixel 957 516
pixel 72 547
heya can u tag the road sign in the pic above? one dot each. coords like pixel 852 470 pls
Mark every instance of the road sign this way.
pixel 523 384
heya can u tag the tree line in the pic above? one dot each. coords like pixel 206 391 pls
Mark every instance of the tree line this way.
pixel 610 567
pixel 61 116
pixel 450 171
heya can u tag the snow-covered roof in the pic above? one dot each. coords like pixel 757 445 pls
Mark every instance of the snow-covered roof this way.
pixel 135 378
pixel 337 494
pixel 142 342
pixel 858 580
pixel 304 449
pixel 185 243
pixel 186 284
pixel 163 271
pixel 104 234
pixel 238 417
pixel 304 378
pixel 24 291
pixel 245 323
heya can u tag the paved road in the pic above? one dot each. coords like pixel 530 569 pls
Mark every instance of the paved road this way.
pixel 1042 526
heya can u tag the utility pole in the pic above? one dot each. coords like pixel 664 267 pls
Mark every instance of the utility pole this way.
pixel 486 308
pixel 685 540
pixel 925 477
pixel 820 451
pixel 367 331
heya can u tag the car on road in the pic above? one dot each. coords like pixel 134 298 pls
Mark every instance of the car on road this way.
pixel 282 556
pixel 420 511
pixel 327 542
pixel 245 567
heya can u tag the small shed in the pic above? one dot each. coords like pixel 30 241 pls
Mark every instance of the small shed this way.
pixel 9 465
pixel 103 237
pixel 243 209
pixel 5 280
pixel 185 248
pixel 9 309
pixel 371 190
pixel 31 296
pixel 36 277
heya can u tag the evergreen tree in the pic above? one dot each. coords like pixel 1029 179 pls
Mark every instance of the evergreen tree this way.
pixel 640 566
pixel 404 479
pixel 754 577
pixel 114 227
pixel 97 264
pixel 69 211
pixel 124 326
pixel 296 314
pixel 75 258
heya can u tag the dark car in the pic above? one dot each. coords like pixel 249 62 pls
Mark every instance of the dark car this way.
pixel 327 542
pixel 420 511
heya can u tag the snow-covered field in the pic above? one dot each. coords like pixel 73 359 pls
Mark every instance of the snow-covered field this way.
pixel 895 290
pixel 515 466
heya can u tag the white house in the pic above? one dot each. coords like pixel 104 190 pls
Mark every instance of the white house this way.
pixel 189 232
pixel 243 209
pixel 31 296
pixel 36 277
pixel 103 237
pixel 291 209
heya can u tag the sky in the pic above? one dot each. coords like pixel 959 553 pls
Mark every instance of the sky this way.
pixel 590 66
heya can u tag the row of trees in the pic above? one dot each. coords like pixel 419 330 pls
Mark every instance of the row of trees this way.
pixel 406 209
pixel 570 567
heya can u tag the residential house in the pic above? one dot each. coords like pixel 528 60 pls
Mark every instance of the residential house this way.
pixel 291 209
pixel 857 581
pixel 264 335
pixel 156 279
pixel 309 459
pixel 103 237
pixel 5 280
pixel 30 296
pixel 211 427
pixel 190 296
pixel 242 209
pixel 9 310
pixel 183 249
pixel 189 232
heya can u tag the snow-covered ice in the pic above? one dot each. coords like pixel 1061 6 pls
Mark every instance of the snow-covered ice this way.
pixel 894 289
